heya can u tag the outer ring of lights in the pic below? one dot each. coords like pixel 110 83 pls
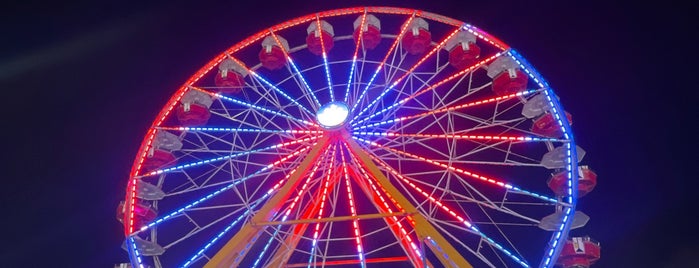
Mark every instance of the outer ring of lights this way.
pixel 173 101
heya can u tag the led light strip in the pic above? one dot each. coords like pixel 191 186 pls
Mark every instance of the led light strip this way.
pixel 353 210
pixel 452 136
pixel 139 262
pixel 449 211
pixel 325 59
pixel 226 230
pixel 571 157
pixel 433 86
pixel 448 109
pixel 360 39
pixel 323 194
pixel 405 234
pixel 486 37
pixel 275 88
pixel 288 211
pixel 217 192
pixel 293 65
pixel 259 108
pixel 230 226
pixel 408 72
pixel 145 147
pixel 226 157
pixel 461 171
pixel 403 29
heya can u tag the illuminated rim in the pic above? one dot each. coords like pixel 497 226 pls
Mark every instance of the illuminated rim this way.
pixel 270 130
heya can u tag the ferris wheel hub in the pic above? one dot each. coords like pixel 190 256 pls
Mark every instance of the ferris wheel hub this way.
pixel 333 115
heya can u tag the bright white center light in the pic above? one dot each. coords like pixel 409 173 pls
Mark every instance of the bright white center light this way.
pixel 332 115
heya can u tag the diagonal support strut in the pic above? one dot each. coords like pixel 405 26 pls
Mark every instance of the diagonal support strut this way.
pixel 236 248
pixel 444 251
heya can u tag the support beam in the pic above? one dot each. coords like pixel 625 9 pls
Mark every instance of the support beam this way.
pixel 235 249
pixel 292 239
pixel 283 253
pixel 392 222
pixel 333 219
pixel 424 228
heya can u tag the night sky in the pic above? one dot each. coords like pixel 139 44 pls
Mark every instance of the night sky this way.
pixel 82 82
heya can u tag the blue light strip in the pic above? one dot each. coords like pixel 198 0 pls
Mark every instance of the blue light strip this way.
pixel 379 112
pixel 215 193
pixel 269 242
pixel 499 247
pixel 131 245
pixel 404 28
pixel 280 92
pixel 226 157
pixel 327 75
pixel 366 89
pixel 360 39
pixel 371 104
pixel 351 74
pixel 310 256
pixel 261 108
pixel 226 230
pixel 395 83
pixel 555 245
pixel 303 79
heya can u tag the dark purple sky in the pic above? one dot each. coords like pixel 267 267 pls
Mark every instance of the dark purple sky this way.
pixel 83 81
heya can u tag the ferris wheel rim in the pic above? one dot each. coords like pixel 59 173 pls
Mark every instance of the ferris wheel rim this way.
pixel 546 89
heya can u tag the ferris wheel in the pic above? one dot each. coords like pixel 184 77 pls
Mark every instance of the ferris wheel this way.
pixel 360 137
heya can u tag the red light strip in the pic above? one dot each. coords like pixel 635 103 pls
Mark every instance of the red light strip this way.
pixel 408 242
pixel 353 210
pixel 345 262
pixel 409 71
pixel 303 187
pixel 324 194
pixel 249 152
pixel 419 190
pixel 449 109
pixel 424 58
pixel 280 182
pixel 437 163
pixel 360 38
pixel 403 29
pixel 452 77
